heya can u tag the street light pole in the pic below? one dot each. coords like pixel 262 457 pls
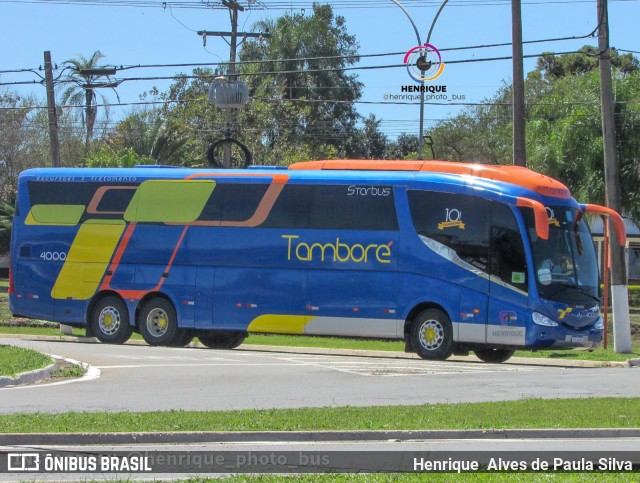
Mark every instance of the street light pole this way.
pixel 421 128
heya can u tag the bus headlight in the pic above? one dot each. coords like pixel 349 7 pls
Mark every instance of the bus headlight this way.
pixel 540 319
pixel 599 324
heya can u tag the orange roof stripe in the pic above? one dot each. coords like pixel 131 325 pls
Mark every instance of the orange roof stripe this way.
pixel 508 174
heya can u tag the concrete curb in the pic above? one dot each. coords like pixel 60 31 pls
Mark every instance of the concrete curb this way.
pixel 530 361
pixel 72 439
pixel 28 377
pixel 38 375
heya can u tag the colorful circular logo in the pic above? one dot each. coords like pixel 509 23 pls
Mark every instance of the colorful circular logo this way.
pixel 424 63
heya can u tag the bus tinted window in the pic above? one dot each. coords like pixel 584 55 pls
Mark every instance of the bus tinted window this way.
pixel 233 202
pixel 334 207
pixel 61 193
pixel 291 209
pixel 459 222
pixel 116 200
pixel 353 207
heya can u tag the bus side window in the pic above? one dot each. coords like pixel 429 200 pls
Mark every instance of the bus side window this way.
pixel 457 221
pixel 508 261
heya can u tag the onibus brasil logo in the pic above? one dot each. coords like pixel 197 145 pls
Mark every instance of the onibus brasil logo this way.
pixel 424 63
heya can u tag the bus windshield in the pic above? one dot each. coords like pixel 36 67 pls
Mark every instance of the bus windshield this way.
pixel 566 268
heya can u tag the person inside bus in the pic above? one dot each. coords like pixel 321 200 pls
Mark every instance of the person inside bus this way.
pixel 558 264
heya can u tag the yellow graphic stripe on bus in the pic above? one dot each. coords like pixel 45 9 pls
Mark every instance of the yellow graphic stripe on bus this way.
pixel 169 201
pixel 66 215
pixel 88 258
pixel 279 324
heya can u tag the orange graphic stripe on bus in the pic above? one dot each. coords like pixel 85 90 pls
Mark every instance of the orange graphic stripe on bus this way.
pixel 263 209
pixel 517 175
pixel 138 294
pixel 118 256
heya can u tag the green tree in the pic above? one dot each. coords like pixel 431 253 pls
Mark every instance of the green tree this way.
pixel 404 147
pixel 301 90
pixel 80 93
pixel 301 103
pixel 123 158
pixel 149 134
pixel 368 142
pixel 6 222
pixel 17 134
pixel 585 60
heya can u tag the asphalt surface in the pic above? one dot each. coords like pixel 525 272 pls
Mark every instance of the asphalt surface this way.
pixel 141 378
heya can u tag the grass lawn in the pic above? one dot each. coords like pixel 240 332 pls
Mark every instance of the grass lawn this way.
pixel 15 360
pixel 528 413
pixel 431 477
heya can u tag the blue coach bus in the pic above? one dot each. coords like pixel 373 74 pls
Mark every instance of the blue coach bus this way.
pixel 449 257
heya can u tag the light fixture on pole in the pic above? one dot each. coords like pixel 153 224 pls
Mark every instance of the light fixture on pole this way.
pixel 421 128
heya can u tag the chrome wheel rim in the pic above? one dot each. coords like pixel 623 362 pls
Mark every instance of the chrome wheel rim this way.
pixel 157 322
pixel 109 320
pixel 431 334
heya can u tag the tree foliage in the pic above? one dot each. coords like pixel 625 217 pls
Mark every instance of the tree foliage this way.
pixel 80 95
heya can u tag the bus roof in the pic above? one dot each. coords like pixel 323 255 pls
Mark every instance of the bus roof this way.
pixel 516 175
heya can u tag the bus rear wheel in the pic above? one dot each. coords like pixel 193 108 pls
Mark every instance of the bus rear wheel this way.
pixel 181 339
pixel 494 356
pixel 158 322
pixel 432 335
pixel 110 321
pixel 222 339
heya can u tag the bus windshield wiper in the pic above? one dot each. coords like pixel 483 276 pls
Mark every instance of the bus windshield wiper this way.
pixel 566 286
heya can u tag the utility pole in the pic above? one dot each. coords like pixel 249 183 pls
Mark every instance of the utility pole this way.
pixel 51 109
pixel 517 87
pixel 234 7
pixel 619 293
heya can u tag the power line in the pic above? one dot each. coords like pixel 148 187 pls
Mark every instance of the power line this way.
pixel 296 5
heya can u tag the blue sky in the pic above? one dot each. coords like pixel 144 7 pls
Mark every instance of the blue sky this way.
pixel 135 35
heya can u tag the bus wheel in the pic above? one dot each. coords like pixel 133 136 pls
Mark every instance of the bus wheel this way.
pixel 432 335
pixel 222 339
pixel 158 323
pixel 182 338
pixel 110 321
pixel 494 356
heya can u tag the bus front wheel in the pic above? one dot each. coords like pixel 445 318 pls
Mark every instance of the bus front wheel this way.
pixel 494 356
pixel 110 321
pixel 432 335
pixel 222 339
pixel 158 323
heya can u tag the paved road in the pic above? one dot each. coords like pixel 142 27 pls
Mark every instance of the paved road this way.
pixel 142 378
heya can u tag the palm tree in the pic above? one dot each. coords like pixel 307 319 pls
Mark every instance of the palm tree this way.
pixel 82 90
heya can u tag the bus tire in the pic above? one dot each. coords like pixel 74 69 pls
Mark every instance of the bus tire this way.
pixel 158 322
pixel 110 321
pixel 182 338
pixel 494 356
pixel 432 335
pixel 222 339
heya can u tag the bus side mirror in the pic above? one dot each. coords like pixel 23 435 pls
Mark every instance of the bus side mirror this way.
pixel 618 224
pixel 540 215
